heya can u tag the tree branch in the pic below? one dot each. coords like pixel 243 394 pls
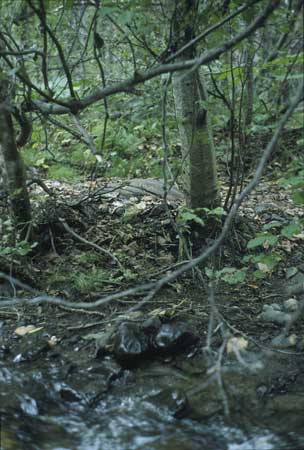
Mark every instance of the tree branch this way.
pixel 141 77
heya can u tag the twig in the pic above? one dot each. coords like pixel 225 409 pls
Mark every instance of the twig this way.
pixel 87 325
pixel 91 244
pixel 83 311
pixel 87 138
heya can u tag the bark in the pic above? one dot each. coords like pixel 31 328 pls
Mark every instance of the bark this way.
pixel 13 167
pixel 249 86
pixel 199 169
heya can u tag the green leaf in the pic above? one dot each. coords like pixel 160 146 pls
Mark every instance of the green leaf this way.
pixel 188 216
pixel 5 251
pixel 272 224
pixel 23 248
pixel 69 4
pixel 269 260
pixel 231 275
pixel 209 272
pixel 262 240
pixel 291 271
pixel 204 104
pixel 219 211
pixel 290 230
pixel 298 196
pixel 300 142
pixel 258 274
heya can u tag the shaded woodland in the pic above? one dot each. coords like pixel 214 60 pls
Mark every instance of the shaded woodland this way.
pixel 151 224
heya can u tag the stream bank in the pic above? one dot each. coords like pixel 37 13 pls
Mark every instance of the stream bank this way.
pixel 113 378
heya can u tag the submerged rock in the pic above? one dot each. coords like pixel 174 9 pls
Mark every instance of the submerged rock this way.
pixel 173 400
pixel 288 403
pixel 67 393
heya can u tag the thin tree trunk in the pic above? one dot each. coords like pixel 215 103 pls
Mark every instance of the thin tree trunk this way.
pixel 249 86
pixel 199 170
pixel 13 166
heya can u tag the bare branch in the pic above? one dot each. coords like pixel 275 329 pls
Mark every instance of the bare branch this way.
pixel 210 30
pixel 141 77
pixel 42 18
pixel 91 244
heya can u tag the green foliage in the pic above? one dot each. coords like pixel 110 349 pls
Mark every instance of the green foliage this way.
pixel 90 280
pixel 293 180
pixel 266 261
pixel 187 215
pixel 262 239
pixel 230 275
pixel 132 149
pixel 10 250
pixel 198 215
pixel 63 173
pixel 217 213
pixel 291 230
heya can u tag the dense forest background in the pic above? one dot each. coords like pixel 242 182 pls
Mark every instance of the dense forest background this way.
pixel 93 90
pixel 151 219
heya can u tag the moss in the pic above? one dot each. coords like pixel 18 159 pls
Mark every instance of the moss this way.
pixel 88 258
pixel 90 280
pixel 63 173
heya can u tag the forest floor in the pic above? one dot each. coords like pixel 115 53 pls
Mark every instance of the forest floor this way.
pixel 96 240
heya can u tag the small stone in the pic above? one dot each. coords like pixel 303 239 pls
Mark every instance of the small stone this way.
pixel 282 341
pixel 272 315
pixel 276 306
pixel 174 400
pixel 291 305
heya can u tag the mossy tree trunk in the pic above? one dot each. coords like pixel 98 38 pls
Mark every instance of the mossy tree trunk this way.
pixel 249 85
pixel 199 171
pixel 13 167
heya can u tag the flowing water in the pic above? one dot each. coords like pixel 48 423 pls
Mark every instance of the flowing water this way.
pixel 41 410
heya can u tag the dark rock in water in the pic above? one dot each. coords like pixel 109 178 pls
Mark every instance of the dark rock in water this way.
pixel 4 351
pixel 288 403
pixel 134 341
pixel 130 342
pixel 151 325
pixel 173 400
pixel 67 393
pixel 32 347
pixel 174 337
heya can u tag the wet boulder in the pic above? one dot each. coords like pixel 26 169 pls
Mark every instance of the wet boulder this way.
pixel 173 400
pixel 174 337
pixel 133 341
pixel 130 343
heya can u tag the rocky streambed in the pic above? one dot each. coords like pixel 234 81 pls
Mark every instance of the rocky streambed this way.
pixel 145 382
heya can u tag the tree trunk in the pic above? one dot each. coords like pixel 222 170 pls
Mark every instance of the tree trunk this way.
pixel 199 165
pixel 13 167
pixel 249 85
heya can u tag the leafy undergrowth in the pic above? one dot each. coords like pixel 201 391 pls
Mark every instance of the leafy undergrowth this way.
pixel 122 241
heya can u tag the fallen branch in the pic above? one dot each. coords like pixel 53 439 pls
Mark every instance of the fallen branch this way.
pixel 91 244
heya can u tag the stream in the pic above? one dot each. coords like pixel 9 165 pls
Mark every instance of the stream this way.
pixel 51 404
